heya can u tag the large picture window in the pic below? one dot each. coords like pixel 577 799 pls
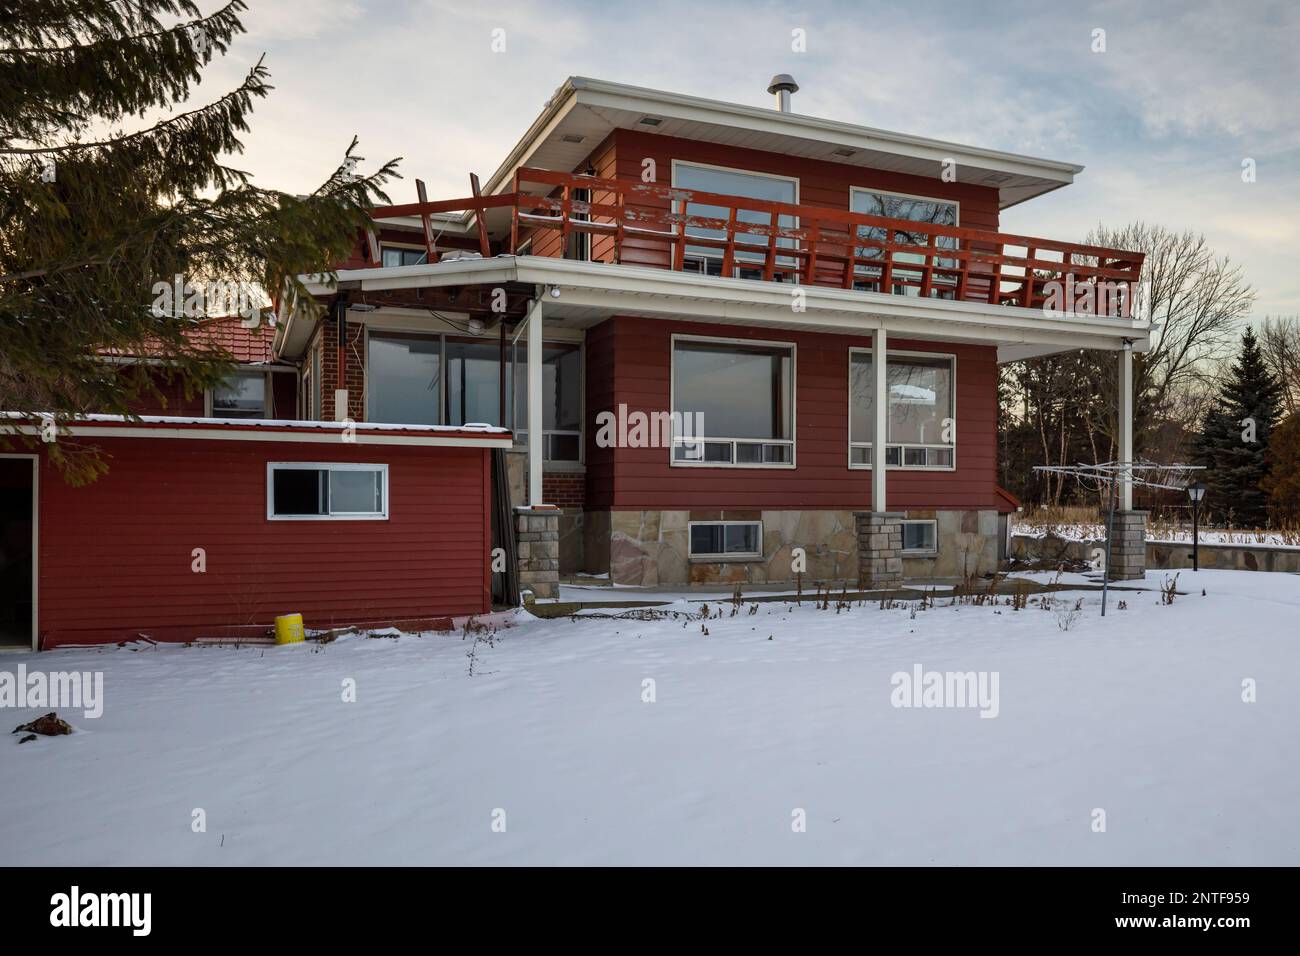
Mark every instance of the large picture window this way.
pixel 920 390
pixel 312 491
pixel 935 212
pixel 734 182
pixel 435 379
pixel 733 403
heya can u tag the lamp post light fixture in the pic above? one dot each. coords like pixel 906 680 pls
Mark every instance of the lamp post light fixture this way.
pixel 1196 492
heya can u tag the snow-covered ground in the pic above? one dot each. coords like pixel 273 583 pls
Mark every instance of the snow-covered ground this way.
pixel 772 713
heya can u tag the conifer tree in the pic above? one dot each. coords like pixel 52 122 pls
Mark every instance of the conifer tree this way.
pixel 112 180
pixel 1235 437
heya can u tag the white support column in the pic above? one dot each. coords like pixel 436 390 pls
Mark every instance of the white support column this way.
pixel 879 435
pixel 535 418
pixel 1124 410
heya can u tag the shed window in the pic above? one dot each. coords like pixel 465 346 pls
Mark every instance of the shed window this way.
pixel 242 395
pixel 312 491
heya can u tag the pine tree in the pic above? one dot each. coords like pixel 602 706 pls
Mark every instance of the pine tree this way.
pixel 1283 481
pixel 1235 437
pixel 93 215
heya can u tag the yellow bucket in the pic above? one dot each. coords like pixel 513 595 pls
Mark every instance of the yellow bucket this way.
pixel 288 629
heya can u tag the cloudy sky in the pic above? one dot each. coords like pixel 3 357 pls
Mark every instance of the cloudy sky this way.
pixel 1162 119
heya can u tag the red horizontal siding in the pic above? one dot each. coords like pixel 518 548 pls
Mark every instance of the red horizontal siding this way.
pixel 639 351
pixel 115 555
pixel 820 183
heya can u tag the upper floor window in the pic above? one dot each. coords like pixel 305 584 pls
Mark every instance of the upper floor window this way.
pixel 397 256
pixel 935 212
pixel 733 403
pixel 734 182
pixel 242 395
pixel 921 411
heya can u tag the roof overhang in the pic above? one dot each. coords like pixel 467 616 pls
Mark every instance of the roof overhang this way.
pixel 584 111
pixel 239 429
pixel 590 292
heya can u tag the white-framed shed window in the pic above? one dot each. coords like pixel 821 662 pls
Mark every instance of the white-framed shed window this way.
pixel 734 182
pixel 245 394
pixel 725 540
pixel 317 491
pixel 732 403
pixel 921 422
pixel 920 537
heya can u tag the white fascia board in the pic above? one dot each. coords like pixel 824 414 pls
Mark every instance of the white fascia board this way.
pixel 644 289
pixel 759 119
pixel 315 436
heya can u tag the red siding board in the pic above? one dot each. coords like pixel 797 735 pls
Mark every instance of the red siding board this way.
pixel 639 352
pixel 115 555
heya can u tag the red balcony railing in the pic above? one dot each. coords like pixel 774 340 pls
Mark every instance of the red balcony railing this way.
pixel 652 224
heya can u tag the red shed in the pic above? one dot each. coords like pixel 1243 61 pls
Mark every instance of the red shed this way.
pixel 212 527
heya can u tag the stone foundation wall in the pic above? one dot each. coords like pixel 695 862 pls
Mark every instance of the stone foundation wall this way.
pixel 652 548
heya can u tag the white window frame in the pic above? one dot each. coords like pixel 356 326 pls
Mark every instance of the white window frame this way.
pixel 922 552
pixel 710 253
pixel 268 386
pixel 273 466
pixel 790 442
pixel 956 204
pixel 902 446
pixel 727 555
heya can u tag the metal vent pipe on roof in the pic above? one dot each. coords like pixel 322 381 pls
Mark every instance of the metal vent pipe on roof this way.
pixel 783 85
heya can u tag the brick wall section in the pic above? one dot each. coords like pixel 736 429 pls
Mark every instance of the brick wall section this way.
pixel 880 548
pixel 539 551
pixel 1128 552
pixel 566 491
pixel 354 368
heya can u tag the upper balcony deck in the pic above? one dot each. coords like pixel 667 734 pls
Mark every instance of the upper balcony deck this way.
pixel 800 244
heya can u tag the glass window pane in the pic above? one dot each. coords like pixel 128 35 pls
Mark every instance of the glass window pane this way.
pixel 940 457
pixel 918 536
pixel 920 398
pixel 706 539
pixel 297 491
pixel 741 391
pixel 473 381
pixel 749 454
pixel 931 211
pixel 861 398
pixel 403 378
pixel 355 492
pixel 742 538
pixel 914 457
pixel 561 387
pixel 734 183
pixel 563 447
pixel 243 395
pixel 861 456
pixel 717 451
pixel 893 455
pixel 776 453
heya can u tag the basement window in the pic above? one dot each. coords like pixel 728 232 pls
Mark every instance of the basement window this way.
pixel 312 491
pixel 723 540
pixel 920 537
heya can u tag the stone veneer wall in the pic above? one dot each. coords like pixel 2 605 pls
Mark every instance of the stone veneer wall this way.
pixel 651 548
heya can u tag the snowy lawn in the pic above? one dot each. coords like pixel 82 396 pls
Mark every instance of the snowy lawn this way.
pixel 1140 715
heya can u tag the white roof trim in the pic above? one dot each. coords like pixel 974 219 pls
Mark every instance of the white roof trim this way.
pixel 587 91
pixel 644 290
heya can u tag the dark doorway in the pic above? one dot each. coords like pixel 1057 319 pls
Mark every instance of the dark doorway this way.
pixel 17 513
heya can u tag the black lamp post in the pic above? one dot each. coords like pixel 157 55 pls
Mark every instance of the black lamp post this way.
pixel 1196 492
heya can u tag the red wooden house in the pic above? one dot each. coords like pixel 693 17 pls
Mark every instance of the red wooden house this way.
pixel 715 342
pixel 769 291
